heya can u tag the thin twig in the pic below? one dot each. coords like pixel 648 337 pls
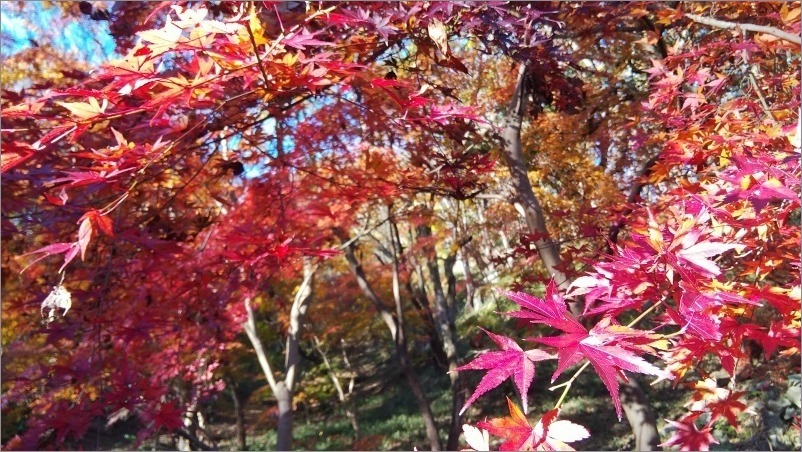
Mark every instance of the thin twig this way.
pixel 757 89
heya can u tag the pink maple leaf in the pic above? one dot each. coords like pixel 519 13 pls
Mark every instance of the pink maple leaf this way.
pixel 550 310
pixel 610 348
pixel 511 361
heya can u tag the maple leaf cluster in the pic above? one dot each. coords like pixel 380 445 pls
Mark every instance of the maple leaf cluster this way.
pixel 702 262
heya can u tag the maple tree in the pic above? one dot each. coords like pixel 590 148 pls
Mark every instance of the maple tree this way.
pixel 665 268
pixel 152 203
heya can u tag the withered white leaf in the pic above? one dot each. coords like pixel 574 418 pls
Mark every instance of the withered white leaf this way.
pixel 59 298
pixel 437 31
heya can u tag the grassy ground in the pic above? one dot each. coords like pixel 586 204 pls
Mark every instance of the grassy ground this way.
pixel 389 419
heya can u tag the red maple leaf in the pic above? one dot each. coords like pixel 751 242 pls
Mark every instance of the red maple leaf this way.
pixel 779 335
pixel 721 402
pixel 729 408
pixel 73 420
pixel 168 415
pixel 514 429
pixel 550 310
pixel 697 310
pixel 548 433
pixel 610 350
pixel 511 361
pixel 688 436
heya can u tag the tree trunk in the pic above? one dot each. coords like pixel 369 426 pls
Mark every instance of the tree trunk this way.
pixel 351 409
pixel 401 341
pixel 420 396
pixel 283 389
pixel 635 405
pixel 458 397
pixel 420 301
pixel 344 398
pixel 292 358
pixel 519 171
pixel 444 319
pixel 285 417
pixel 240 414
pixel 640 415
pixel 470 288
pixel 184 443
pixel 396 326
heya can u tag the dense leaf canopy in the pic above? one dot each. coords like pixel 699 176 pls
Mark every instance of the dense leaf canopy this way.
pixel 146 200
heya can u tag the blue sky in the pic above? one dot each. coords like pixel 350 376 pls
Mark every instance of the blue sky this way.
pixel 82 38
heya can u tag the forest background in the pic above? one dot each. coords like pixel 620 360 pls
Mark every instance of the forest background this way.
pixel 322 225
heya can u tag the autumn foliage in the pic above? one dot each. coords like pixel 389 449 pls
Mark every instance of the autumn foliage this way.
pixel 146 201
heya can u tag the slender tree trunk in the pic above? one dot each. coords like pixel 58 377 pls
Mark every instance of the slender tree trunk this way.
pixel 470 288
pixel 283 389
pixel 636 406
pixel 401 340
pixel 395 324
pixel 442 312
pixel 519 171
pixel 640 415
pixel 240 415
pixel 190 423
pixel 351 410
pixel 420 300
pixel 344 398
pixel 420 396
pixel 458 396
pixel 446 329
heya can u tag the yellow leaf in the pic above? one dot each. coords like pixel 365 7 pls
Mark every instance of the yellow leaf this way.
pixel 256 27
pixel 746 182
pixel 724 158
pixel 661 344
pixel 789 16
pixel 289 59
pixel 85 110
pixel 656 239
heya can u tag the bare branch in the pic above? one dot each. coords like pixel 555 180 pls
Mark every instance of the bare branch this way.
pixel 776 32
pixel 250 330
pixel 194 440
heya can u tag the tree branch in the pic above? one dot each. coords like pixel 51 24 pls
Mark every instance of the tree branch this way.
pixel 250 330
pixel 194 440
pixel 776 32
pixel 640 182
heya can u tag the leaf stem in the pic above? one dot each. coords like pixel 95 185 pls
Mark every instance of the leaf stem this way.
pixel 644 314
pixel 256 48
pixel 568 384
pixel 675 333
